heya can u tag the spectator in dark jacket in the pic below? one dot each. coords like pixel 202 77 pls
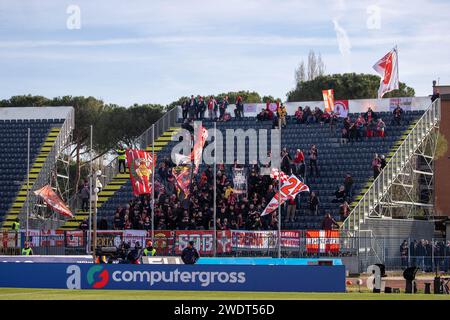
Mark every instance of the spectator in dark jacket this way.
pixel 190 255
pixel 313 203
pixel 328 222
pixel 404 253
pixel 348 185
pixel 398 112
pixel 192 107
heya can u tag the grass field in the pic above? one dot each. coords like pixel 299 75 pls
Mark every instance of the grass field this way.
pixel 58 294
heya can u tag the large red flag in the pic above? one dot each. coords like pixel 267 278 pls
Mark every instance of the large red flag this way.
pixel 387 67
pixel 140 165
pixel 53 200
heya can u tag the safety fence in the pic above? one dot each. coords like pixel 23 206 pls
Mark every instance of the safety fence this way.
pixel 428 255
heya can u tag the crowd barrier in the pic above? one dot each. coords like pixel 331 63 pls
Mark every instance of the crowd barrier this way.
pixel 242 243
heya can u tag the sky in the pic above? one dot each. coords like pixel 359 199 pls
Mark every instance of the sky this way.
pixel 151 51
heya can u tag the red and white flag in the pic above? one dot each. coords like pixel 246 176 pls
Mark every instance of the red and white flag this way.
pixel 322 241
pixel 183 177
pixel 289 190
pixel 53 200
pixel 328 99
pixel 387 67
pixel 200 139
pixel 140 165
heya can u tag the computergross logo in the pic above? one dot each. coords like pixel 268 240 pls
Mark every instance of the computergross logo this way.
pixel 103 275
pixel 151 277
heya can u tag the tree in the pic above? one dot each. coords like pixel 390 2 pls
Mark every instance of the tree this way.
pixel 300 73
pixel 314 68
pixel 346 86
pixel 112 123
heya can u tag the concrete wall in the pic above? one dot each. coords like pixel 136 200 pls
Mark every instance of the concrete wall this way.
pixel 400 228
pixel 442 165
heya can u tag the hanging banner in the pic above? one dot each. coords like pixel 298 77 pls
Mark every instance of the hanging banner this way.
pixel 322 241
pixel 328 99
pixel 239 181
pixel 404 103
pixel 289 190
pixel 341 108
pixel 250 240
pixel 52 238
pixel 133 236
pixel 183 178
pixel 203 241
pixel 75 238
pixel 140 165
pixel 52 200
pixel 163 241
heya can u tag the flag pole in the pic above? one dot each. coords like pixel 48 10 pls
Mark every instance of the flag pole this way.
pixel 215 191
pixel 28 185
pixel 153 182
pixel 279 202
pixel 91 188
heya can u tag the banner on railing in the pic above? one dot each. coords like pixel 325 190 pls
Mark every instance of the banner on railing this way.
pixel 264 239
pixel 322 241
pixel 203 241
pixel 75 238
pixel 9 239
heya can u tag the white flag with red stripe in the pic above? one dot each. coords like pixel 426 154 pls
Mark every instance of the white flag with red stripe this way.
pixel 289 190
pixel 387 67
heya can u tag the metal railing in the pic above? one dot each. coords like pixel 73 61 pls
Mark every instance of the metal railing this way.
pixel 429 255
pixel 405 152
pixel 50 163
pixel 168 120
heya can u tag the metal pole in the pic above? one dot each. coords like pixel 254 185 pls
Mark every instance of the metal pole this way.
pixel 28 185
pixel 95 224
pixel 153 181
pixel 91 189
pixel 215 191
pixel 279 202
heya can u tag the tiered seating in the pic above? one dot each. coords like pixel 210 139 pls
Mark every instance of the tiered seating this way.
pixel 13 159
pixel 335 160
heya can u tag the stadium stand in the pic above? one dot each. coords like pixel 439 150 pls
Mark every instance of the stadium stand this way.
pixel 119 188
pixel 335 160
pixel 13 160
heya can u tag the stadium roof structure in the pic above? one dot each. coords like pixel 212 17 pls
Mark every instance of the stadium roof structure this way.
pixel 26 113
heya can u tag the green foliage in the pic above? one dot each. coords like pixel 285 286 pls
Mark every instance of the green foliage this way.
pixel 346 86
pixel 441 147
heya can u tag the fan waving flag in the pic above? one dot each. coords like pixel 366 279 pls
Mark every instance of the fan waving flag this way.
pixel 183 177
pixel 328 99
pixel 387 67
pixel 289 190
pixel 201 136
pixel 140 165
pixel 53 200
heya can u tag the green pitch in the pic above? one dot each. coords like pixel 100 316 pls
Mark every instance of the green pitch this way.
pixel 58 294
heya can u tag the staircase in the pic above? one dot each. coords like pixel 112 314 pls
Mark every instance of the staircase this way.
pixel 117 186
pixel 367 205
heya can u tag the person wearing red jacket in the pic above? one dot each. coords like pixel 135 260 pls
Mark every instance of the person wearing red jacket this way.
pixel 299 163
